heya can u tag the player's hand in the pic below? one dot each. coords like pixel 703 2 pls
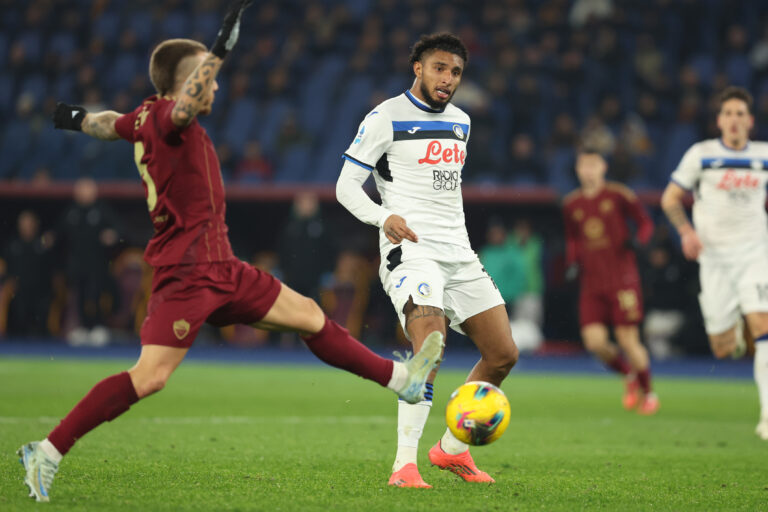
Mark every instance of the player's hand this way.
pixel 571 272
pixel 68 117
pixel 230 28
pixel 691 244
pixel 397 230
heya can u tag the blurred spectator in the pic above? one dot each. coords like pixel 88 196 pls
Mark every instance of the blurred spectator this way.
pixel 504 262
pixel 88 231
pixel 291 136
pixel 529 304
pixel 344 293
pixel 25 293
pixel 524 166
pixel 305 246
pixel 254 166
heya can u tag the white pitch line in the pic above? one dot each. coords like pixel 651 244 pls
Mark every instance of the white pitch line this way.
pixel 224 420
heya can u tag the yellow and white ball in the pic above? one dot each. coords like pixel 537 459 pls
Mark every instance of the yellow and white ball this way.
pixel 477 413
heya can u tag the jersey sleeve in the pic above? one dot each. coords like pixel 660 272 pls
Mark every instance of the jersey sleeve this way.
pixel 688 170
pixel 372 140
pixel 636 211
pixel 124 125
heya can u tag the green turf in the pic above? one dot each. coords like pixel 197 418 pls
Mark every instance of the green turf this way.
pixel 242 437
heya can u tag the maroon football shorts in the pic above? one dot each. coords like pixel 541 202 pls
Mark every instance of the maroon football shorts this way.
pixel 221 293
pixel 622 306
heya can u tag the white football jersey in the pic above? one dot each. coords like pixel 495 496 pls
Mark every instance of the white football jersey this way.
pixel 416 155
pixel 729 189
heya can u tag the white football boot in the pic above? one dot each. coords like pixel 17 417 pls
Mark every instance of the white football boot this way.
pixel 40 470
pixel 419 367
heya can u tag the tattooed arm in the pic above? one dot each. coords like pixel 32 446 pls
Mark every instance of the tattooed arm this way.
pixel 196 91
pixel 672 204
pixel 101 125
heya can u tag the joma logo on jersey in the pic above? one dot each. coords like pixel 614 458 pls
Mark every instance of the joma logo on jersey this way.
pixel 732 180
pixel 436 154
pixel 445 180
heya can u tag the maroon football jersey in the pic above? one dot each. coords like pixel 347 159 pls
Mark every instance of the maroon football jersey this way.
pixel 597 233
pixel 182 183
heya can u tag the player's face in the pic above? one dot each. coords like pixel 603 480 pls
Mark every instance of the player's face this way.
pixel 735 122
pixel 590 168
pixel 437 76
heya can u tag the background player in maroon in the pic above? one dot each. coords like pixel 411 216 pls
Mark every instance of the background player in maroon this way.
pixel 197 278
pixel 599 249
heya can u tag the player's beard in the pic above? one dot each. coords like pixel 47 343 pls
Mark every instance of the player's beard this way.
pixel 435 104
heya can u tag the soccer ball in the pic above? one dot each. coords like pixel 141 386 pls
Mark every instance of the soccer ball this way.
pixel 477 413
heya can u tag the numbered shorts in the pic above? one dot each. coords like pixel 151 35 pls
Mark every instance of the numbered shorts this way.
pixel 221 293
pixel 730 289
pixel 623 306
pixel 461 289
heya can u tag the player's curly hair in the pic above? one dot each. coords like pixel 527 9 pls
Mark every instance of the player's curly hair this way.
pixel 738 93
pixel 165 61
pixel 441 41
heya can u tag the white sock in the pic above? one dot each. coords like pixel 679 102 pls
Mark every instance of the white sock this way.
pixel 451 445
pixel 411 419
pixel 50 450
pixel 399 377
pixel 761 376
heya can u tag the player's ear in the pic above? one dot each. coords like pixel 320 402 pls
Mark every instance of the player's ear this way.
pixel 417 69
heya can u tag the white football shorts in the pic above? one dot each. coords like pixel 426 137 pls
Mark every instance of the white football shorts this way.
pixel 730 288
pixel 459 286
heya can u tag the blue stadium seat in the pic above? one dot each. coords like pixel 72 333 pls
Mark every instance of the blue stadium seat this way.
pixel 15 144
pixel 32 41
pixel 205 24
pixel 679 139
pixel 36 85
pixel 175 24
pixel 6 92
pixel 270 123
pixel 294 166
pixel 141 23
pixel 561 175
pixel 705 67
pixel 739 70
pixel 241 123
pixel 107 26
pixel 62 44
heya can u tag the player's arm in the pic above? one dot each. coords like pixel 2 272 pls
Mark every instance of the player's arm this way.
pixel 641 218
pixel 350 193
pixel 672 204
pixel 571 247
pixel 198 85
pixel 195 91
pixel 100 125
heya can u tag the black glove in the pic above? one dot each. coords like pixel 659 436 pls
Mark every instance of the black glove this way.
pixel 68 117
pixel 572 272
pixel 230 29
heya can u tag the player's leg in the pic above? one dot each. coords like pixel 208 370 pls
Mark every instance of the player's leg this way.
pixel 628 338
pixel 719 304
pixel 474 303
pixel 420 321
pixel 597 342
pixel 758 327
pixel 333 345
pixel 106 401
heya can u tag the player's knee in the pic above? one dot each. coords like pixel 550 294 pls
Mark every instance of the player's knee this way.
pixel 505 360
pixel 594 344
pixel 146 385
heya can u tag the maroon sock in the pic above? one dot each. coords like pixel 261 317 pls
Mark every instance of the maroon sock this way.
pixel 333 345
pixel 619 364
pixel 644 378
pixel 104 402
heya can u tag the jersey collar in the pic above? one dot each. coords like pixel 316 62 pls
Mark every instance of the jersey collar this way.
pixel 746 147
pixel 420 104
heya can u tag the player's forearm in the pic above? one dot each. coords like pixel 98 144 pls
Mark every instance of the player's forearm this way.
pixel 675 212
pixel 196 90
pixel 101 125
pixel 350 193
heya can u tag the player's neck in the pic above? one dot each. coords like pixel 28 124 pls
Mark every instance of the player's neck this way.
pixel 592 190
pixel 734 144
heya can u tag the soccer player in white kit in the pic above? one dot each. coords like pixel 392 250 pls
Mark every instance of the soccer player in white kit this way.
pixel 415 145
pixel 729 236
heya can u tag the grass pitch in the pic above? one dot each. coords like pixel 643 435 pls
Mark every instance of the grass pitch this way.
pixel 245 437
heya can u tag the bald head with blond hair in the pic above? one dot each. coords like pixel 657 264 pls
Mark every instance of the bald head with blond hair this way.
pixel 172 61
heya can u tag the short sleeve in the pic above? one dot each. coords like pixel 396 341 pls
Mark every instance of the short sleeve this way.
pixel 372 140
pixel 688 170
pixel 124 125
pixel 163 119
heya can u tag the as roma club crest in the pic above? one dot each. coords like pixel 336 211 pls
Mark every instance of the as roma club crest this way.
pixel 181 328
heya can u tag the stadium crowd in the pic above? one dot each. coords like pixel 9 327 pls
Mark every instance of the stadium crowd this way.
pixel 635 79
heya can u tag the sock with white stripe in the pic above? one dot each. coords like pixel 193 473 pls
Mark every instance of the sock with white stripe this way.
pixel 411 419
pixel 761 373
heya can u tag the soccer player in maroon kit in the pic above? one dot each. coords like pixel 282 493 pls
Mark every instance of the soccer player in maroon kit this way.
pixel 196 277
pixel 599 249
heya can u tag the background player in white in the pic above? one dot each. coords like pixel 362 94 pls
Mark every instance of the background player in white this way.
pixel 730 239
pixel 415 145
